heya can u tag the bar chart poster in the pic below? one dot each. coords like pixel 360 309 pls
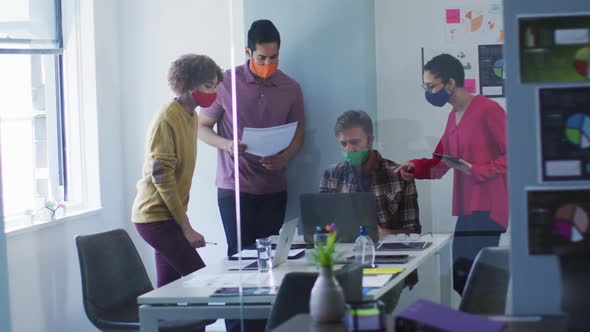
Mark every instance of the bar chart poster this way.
pixel 565 133
pixel 557 217
pixel 491 70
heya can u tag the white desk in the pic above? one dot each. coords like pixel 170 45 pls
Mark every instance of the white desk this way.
pixel 190 297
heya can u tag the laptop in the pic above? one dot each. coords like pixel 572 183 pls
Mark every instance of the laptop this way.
pixel 348 211
pixel 281 253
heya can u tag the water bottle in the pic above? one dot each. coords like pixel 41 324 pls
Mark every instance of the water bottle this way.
pixel 364 249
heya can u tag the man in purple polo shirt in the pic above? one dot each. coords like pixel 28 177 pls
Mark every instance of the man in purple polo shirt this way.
pixel 266 97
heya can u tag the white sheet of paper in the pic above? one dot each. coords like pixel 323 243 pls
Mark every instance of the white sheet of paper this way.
pixel 230 280
pixel 376 281
pixel 269 141
pixel 253 253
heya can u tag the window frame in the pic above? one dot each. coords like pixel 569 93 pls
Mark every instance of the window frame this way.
pixel 74 97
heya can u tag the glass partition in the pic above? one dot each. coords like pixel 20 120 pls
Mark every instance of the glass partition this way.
pixel 327 116
pixel 384 113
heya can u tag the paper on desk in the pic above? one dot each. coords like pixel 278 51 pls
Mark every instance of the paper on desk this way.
pixel 375 281
pixel 253 253
pixel 269 141
pixel 230 280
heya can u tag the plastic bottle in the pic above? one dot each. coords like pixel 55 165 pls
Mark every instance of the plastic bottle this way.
pixel 364 248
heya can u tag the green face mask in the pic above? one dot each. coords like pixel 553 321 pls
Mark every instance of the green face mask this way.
pixel 356 158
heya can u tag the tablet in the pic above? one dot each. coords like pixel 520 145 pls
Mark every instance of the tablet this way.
pixel 448 158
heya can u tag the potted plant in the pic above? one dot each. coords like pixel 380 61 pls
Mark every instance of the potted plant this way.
pixel 326 302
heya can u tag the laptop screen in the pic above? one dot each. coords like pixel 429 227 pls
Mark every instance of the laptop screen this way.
pixel 348 211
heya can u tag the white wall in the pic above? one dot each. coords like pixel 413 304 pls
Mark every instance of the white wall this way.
pixel 152 34
pixel 44 275
pixel 4 300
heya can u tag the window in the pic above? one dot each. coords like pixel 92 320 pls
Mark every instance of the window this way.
pixel 40 125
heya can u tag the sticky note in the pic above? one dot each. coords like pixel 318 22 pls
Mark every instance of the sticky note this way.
pixel 469 85
pixel 453 16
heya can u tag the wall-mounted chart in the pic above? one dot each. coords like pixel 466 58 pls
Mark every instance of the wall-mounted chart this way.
pixel 565 133
pixel 555 49
pixel 478 23
pixel 557 217
pixel 491 70
pixel 474 33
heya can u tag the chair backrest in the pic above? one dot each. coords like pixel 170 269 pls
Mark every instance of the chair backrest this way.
pixel 292 298
pixel 113 275
pixel 295 292
pixel 487 284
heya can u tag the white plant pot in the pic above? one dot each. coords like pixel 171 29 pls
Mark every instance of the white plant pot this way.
pixel 326 303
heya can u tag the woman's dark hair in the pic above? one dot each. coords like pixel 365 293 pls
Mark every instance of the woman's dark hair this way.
pixel 191 70
pixel 350 119
pixel 445 67
pixel 263 31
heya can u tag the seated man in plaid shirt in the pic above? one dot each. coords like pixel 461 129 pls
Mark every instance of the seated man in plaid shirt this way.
pixel 364 170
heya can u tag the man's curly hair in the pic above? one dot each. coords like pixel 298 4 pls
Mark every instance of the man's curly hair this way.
pixel 191 70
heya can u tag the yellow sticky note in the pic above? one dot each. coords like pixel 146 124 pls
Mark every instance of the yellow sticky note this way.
pixel 382 270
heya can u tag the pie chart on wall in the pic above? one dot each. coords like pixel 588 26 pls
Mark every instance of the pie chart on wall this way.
pixel 581 60
pixel 571 222
pixel 498 68
pixel 577 130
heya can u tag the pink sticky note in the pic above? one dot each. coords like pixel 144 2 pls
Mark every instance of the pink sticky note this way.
pixel 453 16
pixel 469 85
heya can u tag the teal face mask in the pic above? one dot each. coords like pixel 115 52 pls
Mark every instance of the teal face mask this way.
pixel 356 158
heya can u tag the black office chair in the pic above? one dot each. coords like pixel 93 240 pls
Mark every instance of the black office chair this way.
pixel 113 276
pixel 487 284
pixel 295 291
pixel 575 289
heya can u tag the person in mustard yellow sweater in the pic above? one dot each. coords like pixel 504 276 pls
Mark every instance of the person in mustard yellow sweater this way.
pixel 159 209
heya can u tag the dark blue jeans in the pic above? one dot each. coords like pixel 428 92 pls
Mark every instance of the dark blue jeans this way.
pixel 473 232
pixel 262 216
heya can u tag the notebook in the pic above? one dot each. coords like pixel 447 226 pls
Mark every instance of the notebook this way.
pixel 347 211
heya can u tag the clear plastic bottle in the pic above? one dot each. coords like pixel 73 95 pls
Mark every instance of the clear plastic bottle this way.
pixel 364 248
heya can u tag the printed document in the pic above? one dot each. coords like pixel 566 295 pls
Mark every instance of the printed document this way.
pixel 269 141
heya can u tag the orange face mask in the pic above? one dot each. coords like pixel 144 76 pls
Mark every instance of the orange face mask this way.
pixel 263 71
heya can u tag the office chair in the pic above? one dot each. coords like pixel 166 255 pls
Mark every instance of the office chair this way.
pixel 575 289
pixel 295 292
pixel 113 276
pixel 487 284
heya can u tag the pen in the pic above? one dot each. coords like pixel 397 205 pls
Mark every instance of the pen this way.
pixel 213 243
